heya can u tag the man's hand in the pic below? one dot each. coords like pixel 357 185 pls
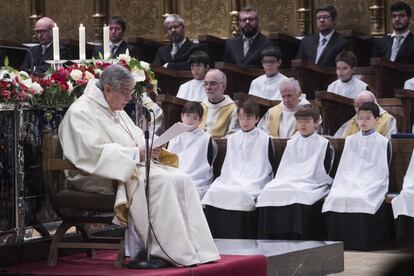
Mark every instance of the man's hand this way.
pixel 154 153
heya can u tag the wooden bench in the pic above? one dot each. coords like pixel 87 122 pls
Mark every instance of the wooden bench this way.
pixel 169 80
pixel 144 48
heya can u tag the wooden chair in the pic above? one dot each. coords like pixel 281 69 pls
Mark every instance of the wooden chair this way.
pixel 75 208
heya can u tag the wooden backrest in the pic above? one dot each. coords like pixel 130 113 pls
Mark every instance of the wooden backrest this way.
pixel 264 104
pixel 213 45
pixel 169 80
pixel 171 107
pixel 288 45
pixel 145 49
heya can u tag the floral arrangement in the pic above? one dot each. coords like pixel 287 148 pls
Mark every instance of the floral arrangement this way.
pixel 62 86
pixel 17 87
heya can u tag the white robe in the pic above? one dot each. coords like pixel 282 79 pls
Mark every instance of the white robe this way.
pixel 192 90
pixel 403 204
pixel 409 84
pixel 96 141
pixel 192 150
pixel 348 89
pixel 266 87
pixel 246 169
pixel 301 176
pixel 361 181
pixel 287 125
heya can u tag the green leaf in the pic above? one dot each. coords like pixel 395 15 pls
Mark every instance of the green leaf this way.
pixel 6 61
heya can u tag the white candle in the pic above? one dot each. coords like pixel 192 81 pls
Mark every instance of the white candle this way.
pixel 56 53
pixel 82 55
pixel 107 53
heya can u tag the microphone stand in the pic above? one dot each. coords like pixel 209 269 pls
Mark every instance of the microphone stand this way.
pixel 148 262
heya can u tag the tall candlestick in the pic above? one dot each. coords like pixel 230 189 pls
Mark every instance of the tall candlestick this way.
pixel 82 55
pixel 107 53
pixel 56 53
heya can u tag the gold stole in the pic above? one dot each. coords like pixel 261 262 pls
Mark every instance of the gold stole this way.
pixel 221 126
pixel 382 125
pixel 274 119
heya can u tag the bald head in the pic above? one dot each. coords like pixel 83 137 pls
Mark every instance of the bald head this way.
pixel 364 97
pixel 43 30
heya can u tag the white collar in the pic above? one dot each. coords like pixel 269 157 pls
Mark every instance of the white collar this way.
pixel 328 36
pixel 404 34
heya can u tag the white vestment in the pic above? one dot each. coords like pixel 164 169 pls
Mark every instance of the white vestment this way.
pixel 246 169
pixel 287 124
pixel 266 87
pixel 105 143
pixel 215 121
pixel 192 90
pixel 301 176
pixel 409 84
pixel 192 150
pixel 348 89
pixel 361 181
pixel 403 204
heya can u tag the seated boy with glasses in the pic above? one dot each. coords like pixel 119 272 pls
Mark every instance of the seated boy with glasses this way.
pixel 267 85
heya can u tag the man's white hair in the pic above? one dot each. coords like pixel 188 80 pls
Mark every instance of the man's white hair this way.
pixel 290 83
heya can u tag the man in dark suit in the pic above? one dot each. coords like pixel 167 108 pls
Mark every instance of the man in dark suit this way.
pixel 323 47
pixel 117 45
pixel 176 54
pixel 245 50
pixel 40 53
pixel 399 46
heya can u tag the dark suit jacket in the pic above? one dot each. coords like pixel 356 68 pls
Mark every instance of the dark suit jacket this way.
pixel 405 55
pixel 309 45
pixel 233 51
pixel 180 60
pixel 120 50
pixel 38 60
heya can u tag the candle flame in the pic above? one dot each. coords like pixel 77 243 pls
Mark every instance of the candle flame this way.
pixel 55 25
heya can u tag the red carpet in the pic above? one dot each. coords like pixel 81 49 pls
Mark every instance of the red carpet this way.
pixel 103 264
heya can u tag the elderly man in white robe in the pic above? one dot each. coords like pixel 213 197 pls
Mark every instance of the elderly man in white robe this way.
pixel 279 121
pixel 386 125
pixel 290 205
pixel 355 207
pixel 230 200
pixel 220 111
pixel 403 207
pixel 99 138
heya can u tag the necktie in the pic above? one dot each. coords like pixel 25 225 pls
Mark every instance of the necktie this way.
pixel 113 49
pixel 320 49
pixel 246 45
pixel 174 50
pixel 396 47
pixel 43 50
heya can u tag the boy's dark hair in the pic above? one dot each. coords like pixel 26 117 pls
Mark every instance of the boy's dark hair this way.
pixel 193 107
pixel 373 107
pixel 348 57
pixel 249 107
pixel 271 51
pixel 118 20
pixel 199 57
pixel 401 6
pixel 308 110
pixel 331 9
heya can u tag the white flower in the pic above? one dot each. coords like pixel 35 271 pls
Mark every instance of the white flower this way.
pixel 89 75
pixel 24 74
pixel 144 65
pixel 27 82
pixel 70 85
pixel 76 74
pixel 124 57
pixel 139 74
pixel 36 88
pixel 97 71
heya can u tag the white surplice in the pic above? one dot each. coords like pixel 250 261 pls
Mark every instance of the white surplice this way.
pixel 403 204
pixel 266 87
pixel 348 89
pixel 192 90
pixel 301 176
pixel 192 150
pixel 287 125
pixel 246 169
pixel 361 181
pixel 105 143
pixel 409 84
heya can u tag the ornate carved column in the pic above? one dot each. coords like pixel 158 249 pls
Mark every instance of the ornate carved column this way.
pixel 234 14
pixel 304 17
pixel 99 17
pixel 377 18
pixel 169 7
pixel 37 11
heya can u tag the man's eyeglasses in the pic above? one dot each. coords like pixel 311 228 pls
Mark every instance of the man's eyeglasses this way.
pixel 250 19
pixel 323 17
pixel 211 83
pixel 43 31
